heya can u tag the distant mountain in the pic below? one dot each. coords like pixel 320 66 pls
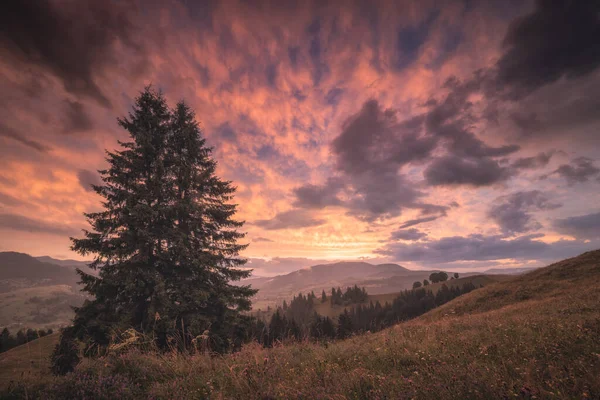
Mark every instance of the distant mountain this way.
pixel 18 270
pixel 65 263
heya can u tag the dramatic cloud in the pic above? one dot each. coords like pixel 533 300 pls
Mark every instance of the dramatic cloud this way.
pixel 76 118
pixel 72 40
pixel 14 135
pixel 558 39
pixel 539 161
pixel 464 171
pixel 313 196
pixel 417 221
pixel 580 170
pixel 26 224
pixel 512 212
pixel 408 234
pixel 367 122
pixel 482 248
pixel 374 139
pixel 581 227
pixel 291 219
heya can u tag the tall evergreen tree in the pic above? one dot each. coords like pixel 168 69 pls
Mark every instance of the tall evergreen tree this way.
pixel 166 243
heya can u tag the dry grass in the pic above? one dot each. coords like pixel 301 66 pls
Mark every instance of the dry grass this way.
pixel 537 336
pixel 29 362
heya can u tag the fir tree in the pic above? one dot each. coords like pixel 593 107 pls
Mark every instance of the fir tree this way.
pixel 344 328
pixel 166 243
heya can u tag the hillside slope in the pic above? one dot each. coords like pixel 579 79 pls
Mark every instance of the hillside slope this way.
pixel 30 361
pixel 534 336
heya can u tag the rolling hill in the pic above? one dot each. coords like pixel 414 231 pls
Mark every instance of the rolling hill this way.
pixel 533 336
pixel 376 279
pixel 18 270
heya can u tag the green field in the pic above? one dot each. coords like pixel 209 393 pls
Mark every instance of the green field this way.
pixel 535 336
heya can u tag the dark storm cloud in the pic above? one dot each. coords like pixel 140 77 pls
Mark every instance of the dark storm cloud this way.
pixel 558 39
pixel 319 196
pixel 512 212
pixel 452 170
pixel 73 40
pixel 417 221
pixel 88 178
pixel 469 161
pixel 580 170
pixel 483 248
pixel 408 234
pixel 373 139
pixel 76 118
pixel 539 161
pixel 581 227
pixel 26 224
pixel 381 194
pixel 8 132
pixel 292 219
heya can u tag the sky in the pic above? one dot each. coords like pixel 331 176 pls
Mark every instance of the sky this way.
pixel 435 134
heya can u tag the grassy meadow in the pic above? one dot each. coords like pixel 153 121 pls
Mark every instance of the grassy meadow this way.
pixel 535 336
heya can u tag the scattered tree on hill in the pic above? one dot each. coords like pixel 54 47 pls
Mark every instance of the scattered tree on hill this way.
pixel 456 275
pixel 323 296
pixel 436 277
pixel 417 285
pixel 425 282
pixel 166 245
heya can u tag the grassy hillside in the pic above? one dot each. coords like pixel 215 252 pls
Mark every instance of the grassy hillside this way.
pixel 534 336
pixel 38 307
pixel 30 361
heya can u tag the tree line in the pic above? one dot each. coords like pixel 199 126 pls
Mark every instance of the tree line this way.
pixel 8 340
pixel 357 319
pixel 352 295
